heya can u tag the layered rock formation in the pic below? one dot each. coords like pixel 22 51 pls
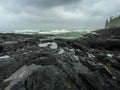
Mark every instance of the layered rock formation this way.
pixel 35 62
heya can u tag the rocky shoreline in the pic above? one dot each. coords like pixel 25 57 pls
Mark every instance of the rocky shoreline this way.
pixel 36 62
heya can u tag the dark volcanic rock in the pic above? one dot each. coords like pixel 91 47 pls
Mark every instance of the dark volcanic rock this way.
pixel 38 63
pixel 40 78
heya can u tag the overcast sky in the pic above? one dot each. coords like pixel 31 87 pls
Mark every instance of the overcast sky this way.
pixel 56 14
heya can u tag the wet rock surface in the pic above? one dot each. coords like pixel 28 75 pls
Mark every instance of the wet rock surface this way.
pixel 35 62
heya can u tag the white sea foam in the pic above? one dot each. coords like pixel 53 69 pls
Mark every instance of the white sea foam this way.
pixel 4 57
pixel 110 55
pixel 52 45
pixel 61 51
pixel 91 55
pixel 57 31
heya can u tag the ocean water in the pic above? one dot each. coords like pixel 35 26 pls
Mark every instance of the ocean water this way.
pixel 58 33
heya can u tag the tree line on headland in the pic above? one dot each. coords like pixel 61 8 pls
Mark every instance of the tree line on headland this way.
pixel 112 22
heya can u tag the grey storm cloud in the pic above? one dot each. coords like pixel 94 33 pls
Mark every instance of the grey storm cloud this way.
pixel 56 14
pixel 48 3
pixel 39 3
